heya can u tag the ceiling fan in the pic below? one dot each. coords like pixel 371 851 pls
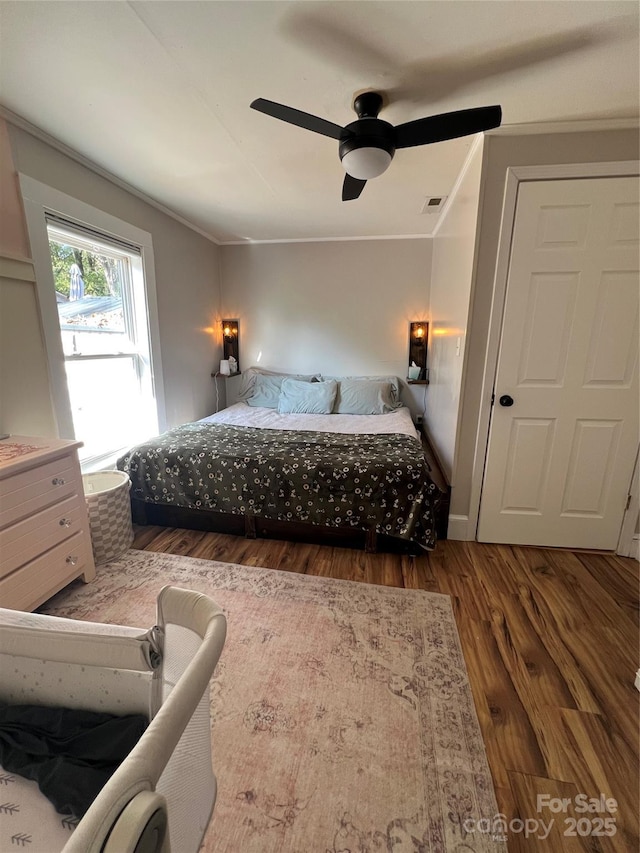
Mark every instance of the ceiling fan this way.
pixel 368 144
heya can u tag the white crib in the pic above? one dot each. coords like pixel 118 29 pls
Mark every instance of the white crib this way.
pixel 162 796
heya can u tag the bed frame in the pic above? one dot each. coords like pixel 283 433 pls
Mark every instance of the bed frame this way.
pixel 253 526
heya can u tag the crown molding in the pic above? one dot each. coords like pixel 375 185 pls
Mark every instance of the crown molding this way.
pixel 578 126
pixel 477 142
pixel 63 148
pixel 249 242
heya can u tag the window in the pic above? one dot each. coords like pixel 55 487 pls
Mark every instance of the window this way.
pixel 102 312
pixel 97 299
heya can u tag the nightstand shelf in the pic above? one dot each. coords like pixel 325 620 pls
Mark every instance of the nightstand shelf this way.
pixel 231 386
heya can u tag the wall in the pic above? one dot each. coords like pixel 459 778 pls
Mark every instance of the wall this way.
pixel 335 307
pixel 187 275
pixel 14 242
pixel 502 152
pixel 25 402
pixel 451 274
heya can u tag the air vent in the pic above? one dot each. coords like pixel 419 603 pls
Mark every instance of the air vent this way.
pixel 433 204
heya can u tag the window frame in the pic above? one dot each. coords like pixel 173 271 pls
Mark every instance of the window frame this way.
pixel 39 200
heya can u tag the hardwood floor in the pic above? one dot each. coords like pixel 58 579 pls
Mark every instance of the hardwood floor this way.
pixel 550 639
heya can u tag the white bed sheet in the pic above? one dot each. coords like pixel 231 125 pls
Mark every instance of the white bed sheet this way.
pixel 241 414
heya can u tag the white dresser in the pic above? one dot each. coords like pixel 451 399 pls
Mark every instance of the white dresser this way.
pixel 45 540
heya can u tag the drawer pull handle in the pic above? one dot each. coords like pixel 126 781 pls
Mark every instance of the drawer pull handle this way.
pixel 65 522
pixel 57 481
pixel 72 560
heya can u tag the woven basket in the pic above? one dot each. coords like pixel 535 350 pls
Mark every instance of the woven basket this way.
pixel 107 497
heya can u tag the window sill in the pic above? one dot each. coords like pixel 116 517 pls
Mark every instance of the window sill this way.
pixel 105 462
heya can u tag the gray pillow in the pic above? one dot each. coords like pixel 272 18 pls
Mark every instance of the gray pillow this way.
pixel 392 380
pixel 365 397
pixel 265 391
pixel 248 386
pixel 314 398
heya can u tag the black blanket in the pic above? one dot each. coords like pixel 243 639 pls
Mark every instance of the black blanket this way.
pixel 362 481
pixel 70 753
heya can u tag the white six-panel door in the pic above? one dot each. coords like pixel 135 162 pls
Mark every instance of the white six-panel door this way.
pixel 560 458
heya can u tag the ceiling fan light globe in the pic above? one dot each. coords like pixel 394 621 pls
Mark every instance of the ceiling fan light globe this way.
pixel 365 163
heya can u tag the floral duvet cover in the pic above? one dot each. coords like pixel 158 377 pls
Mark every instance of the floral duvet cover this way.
pixel 329 479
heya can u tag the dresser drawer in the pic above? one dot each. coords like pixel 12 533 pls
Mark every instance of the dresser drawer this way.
pixel 25 540
pixel 38 580
pixel 30 491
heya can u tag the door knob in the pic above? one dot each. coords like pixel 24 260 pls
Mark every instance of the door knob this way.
pixel 506 400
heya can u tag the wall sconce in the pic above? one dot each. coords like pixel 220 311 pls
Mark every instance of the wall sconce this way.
pixel 230 341
pixel 418 341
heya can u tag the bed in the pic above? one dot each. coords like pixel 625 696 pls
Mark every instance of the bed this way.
pixel 264 467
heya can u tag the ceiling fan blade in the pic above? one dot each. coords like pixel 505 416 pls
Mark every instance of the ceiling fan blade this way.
pixel 447 126
pixel 352 187
pixel 297 117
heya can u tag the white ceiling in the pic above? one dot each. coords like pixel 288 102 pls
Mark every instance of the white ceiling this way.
pixel 158 94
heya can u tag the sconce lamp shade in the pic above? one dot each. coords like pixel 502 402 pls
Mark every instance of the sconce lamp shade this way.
pixel 230 341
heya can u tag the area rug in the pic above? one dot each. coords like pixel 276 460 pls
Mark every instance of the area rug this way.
pixel 343 720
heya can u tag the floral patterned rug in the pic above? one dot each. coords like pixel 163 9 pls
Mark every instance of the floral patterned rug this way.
pixel 343 720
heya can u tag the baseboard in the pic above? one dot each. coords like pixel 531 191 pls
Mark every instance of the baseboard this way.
pixel 459 529
pixel 630 549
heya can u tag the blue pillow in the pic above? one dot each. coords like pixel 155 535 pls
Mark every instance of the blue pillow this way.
pixel 268 392
pixel 265 391
pixel 313 398
pixel 364 397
